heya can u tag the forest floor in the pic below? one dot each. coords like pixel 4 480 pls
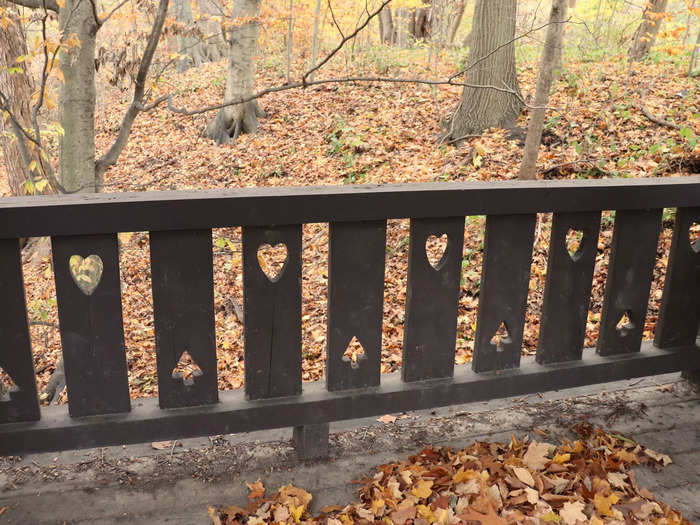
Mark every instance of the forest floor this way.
pixel 344 134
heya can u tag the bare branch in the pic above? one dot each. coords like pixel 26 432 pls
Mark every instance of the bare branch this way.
pixel 111 156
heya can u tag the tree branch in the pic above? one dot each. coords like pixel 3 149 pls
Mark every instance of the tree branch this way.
pixel 111 156
pixel 50 5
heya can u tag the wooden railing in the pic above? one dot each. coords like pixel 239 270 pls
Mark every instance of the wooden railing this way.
pixel 100 411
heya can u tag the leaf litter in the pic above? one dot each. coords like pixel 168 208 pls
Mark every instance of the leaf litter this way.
pixel 586 481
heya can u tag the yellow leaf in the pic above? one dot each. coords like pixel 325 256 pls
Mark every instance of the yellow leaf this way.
pixel 422 488
pixel 550 517
pixel 602 503
pixel 464 475
pixel 59 75
pixel 61 3
pixel 562 458
pixel 296 512
pixel 32 165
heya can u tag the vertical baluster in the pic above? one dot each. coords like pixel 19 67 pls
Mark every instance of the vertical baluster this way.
pixel 568 289
pixel 355 298
pixel 680 304
pixel 272 309
pixel 630 272
pixel 432 296
pixel 503 297
pixel 21 402
pixel 90 316
pixel 183 309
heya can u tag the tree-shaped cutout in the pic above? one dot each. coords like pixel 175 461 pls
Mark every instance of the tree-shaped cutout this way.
pixel 436 250
pixel 86 272
pixel 354 353
pixel 501 338
pixel 7 385
pixel 694 236
pixel 625 324
pixel 574 243
pixel 186 369
pixel 272 260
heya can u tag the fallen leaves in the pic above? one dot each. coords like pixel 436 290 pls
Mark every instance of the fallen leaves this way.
pixel 487 484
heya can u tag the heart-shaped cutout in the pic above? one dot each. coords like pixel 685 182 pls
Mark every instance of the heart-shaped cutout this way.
pixel 574 243
pixel 7 385
pixel 624 324
pixel 694 236
pixel 436 250
pixel 86 272
pixel 354 353
pixel 501 337
pixel 272 260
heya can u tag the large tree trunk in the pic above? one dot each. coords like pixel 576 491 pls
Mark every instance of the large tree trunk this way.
pixel 386 26
pixel 646 33
pixel 551 57
pixel 77 108
pixel 18 87
pixel 235 119
pixel 493 97
pixel 455 21
pixel 201 41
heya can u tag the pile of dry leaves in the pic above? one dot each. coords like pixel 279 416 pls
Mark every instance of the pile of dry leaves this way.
pixel 588 481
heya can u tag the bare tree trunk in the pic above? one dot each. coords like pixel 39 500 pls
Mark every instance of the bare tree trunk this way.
pixel 18 87
pixel 402 22
pixel 493 99
pixel 386 27
pixel 188 44
pixel 233 120
pixel 77 108
pixel 290 35
pixel 694 55
pixel 551 57
pixel 314 42
pixel 215 45
pixel 455 21
pixel 646 33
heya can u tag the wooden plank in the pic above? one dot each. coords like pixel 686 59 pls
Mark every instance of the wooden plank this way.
pixel 92 333
pixel 503 297
pixel 183 308
pixel 272 329
pixel 147 422
pixel 355 300
pixel 432 295
pixel 680 304
pixel 630 271
pixel 192 210
pixel 568 289
pixel 21 402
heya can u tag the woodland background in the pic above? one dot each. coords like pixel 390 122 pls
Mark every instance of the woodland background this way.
pixel 125 95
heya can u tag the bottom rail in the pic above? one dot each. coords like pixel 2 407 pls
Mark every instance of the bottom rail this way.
pixel 147 422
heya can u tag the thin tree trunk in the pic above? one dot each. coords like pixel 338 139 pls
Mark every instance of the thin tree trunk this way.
pixel 77 107
pixel 694 55
pixel 18 88
pixel 493 99
pixel 314 42
pixel 551 57
pixel 233 120
pixel 386 26
pixel 646 32
pixel 455 21
pixel 290 34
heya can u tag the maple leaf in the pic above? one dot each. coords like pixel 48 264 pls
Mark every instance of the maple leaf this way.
pixel 602 504
pixel 660 458
pixel 524 475
pixel 422 488
pixel 490 518
pixel 257 490
pixel 572 512
pixel 536 456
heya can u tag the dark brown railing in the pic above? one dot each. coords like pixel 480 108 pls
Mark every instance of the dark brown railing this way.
pixel 100 411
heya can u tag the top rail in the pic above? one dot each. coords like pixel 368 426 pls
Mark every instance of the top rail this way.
pixel 84 214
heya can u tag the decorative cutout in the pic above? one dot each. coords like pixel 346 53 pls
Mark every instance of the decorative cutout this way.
pixel 694 236
pixel 574 243
pixel 624 324
pixel 186 369
pixel 86 272
pixel 354 353
pixel 436 250
pixel 272 260
pixel 501 337
pixel 7 385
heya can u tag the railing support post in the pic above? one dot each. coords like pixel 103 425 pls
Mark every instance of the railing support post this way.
pixel 311 441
